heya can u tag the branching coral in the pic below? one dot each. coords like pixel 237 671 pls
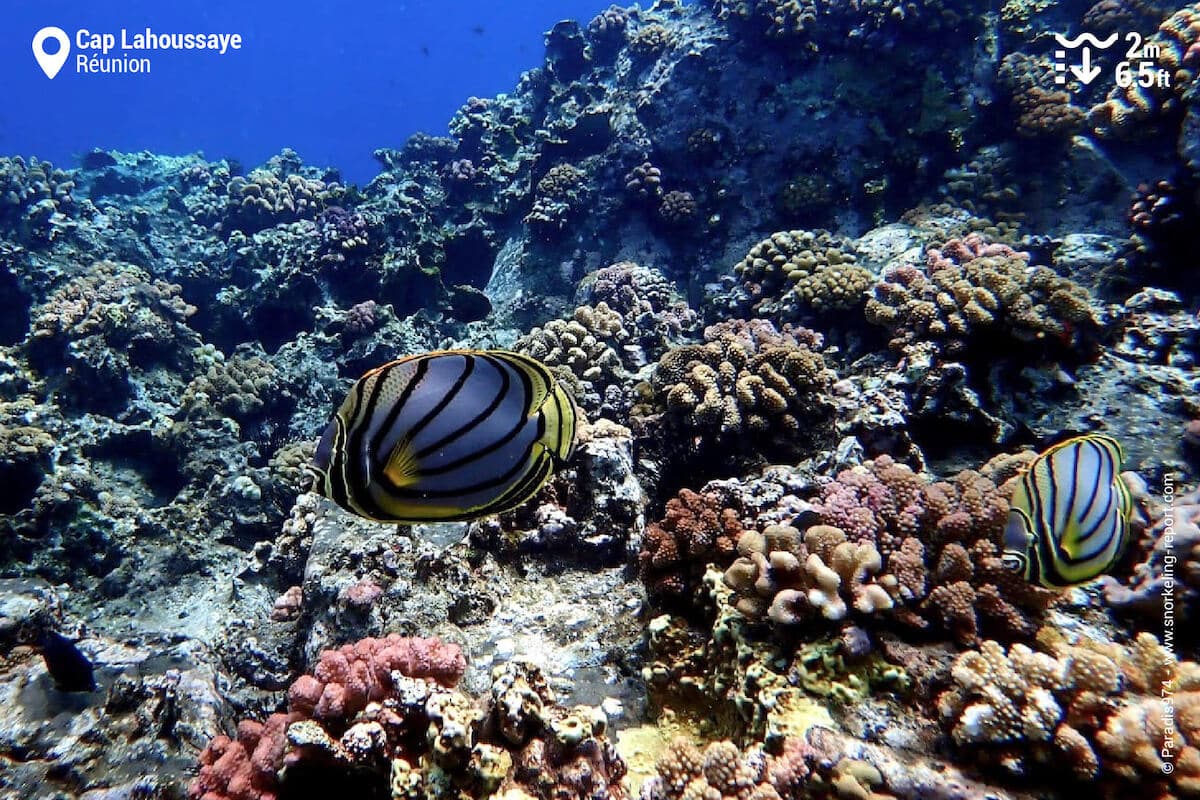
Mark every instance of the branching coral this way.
pixel 695 531
pixel 585 351
pixel 264 199
pixel 105 324
pixel 647 41
pixel 723 772
pixel 793 272
pixel 26 453
pixel 33 197
pixel 972 289
pixel 119 303
pixel 677 208
pixel 560 195
pixel 239 388
pixel 650 307
pixel 1168 562
pixel 940 541
pixel 785 578
pixel 644 181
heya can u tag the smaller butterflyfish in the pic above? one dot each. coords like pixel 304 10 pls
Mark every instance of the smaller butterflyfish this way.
pixel 1068 521
pixel 446 436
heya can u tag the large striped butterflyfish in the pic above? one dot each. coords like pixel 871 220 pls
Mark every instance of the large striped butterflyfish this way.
pixel 450 435
pixel 1069 518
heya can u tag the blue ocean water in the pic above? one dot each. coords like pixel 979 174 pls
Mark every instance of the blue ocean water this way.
pixel 330 80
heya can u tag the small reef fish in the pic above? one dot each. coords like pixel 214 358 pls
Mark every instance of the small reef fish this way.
pixel 1069 518
pixel 446 436
pixel 70 669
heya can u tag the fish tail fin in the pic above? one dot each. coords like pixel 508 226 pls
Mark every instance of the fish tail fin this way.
pixel 561 417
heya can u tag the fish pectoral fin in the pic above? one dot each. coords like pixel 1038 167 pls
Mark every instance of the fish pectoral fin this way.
pixel 1071 539
pixel 402 468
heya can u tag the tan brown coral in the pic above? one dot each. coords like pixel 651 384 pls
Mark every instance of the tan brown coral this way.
pixel 791 272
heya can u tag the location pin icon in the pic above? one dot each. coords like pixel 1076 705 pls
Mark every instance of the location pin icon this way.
pixel 51 63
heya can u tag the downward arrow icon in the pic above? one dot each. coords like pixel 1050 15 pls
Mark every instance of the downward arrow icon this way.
pixel 1085 71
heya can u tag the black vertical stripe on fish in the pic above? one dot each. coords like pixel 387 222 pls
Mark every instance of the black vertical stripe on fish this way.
pixel 1105 522
pixel 447 399
pixel 533 479
pixel 1073 483
pixel 359 467
pixel 385 425
pixel 508 436
pixel 1095 487
pixel 337 480
pixel 559 411
pixel 474 422
pixel 519 414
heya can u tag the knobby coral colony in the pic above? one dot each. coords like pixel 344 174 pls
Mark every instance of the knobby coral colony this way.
pixel 883 483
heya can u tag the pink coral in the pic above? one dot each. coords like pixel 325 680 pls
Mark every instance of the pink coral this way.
pixel 287 605
pixel 362 595
pixel 243 768
pixel 343 682
pixel 938 537
pixel 347 678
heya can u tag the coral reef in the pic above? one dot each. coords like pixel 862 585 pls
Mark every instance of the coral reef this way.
pixel 386 710
pixel 775 541
pixel 1041 110
pixel 1083 705
pixel 972 289
pixel 746 385
pixel 1129 108
pixel 794 272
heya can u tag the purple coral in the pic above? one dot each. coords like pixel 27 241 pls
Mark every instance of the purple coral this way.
pixel 362 318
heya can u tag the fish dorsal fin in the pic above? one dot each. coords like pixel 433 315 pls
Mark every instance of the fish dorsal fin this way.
pixel 402 468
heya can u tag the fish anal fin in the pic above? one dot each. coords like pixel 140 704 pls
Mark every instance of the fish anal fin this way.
pixel 402 468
